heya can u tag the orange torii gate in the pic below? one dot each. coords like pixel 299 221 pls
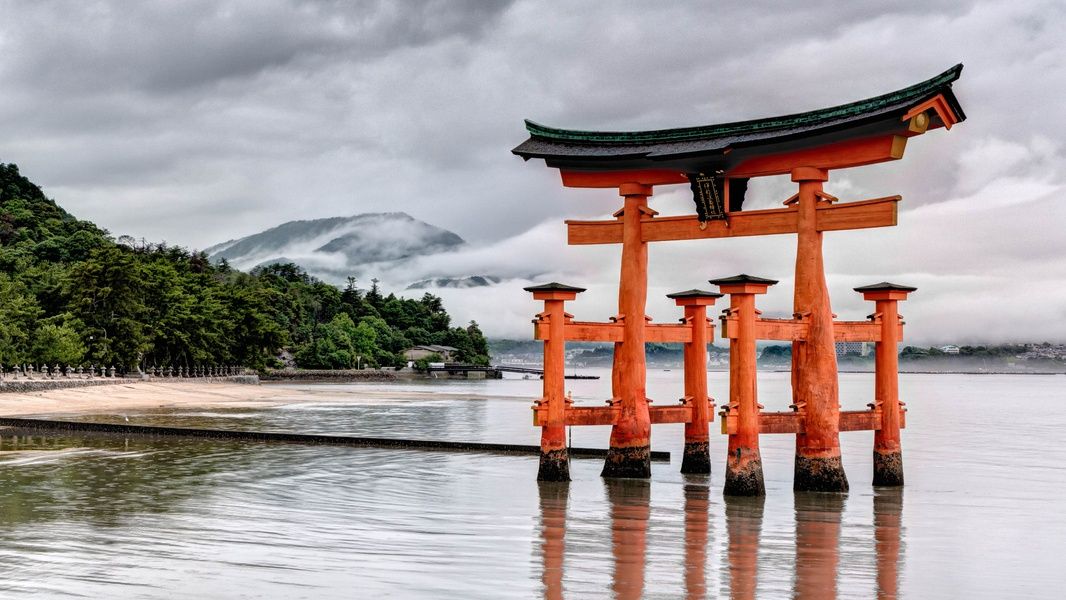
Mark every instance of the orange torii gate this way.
pixel 716 162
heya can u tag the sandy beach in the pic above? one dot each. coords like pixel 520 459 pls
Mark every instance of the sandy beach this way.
pixel 143 396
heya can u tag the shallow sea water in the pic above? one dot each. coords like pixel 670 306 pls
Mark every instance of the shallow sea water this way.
pixel 981 516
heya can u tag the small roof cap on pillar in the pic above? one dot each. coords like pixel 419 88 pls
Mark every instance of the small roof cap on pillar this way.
pixel 885 286
pixel 694 294
pixel 742 279
pixel 554 287
pixel 690 298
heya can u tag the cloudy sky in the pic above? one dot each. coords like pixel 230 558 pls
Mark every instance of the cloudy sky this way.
pixel 197 122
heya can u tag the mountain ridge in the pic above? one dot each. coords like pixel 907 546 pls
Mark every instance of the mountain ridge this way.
pixel 333 247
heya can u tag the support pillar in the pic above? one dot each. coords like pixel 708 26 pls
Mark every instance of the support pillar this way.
pixel 629 454
pixel 697 456
pixel 815 388
pixel 888 453
pixel 743 475
pixel 554 457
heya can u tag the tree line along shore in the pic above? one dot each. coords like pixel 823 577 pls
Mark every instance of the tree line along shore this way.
pixel 72 294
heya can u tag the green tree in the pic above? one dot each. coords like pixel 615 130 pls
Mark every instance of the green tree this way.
pixel 57 344
pixel 18 313
pixel 106 294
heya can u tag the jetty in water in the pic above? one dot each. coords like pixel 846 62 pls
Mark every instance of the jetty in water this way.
pixel 717 162
pixel 494 371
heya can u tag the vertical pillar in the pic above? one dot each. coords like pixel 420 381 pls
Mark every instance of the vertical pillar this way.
pixel 697 457
pixel 554 458
pixel 888 453
pixel 815 387
pixel 629 453
pixel 743 475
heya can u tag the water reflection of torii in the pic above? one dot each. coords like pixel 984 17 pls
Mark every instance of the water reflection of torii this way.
pixel 818 523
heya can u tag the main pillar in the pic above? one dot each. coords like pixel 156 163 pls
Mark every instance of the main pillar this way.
pixel 814 364
pixel 554 457
pixel 743 472
pixel 888 452
pixel 697 456
pixel 630 451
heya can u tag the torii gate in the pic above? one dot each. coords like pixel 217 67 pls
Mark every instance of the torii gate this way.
pixel 717 161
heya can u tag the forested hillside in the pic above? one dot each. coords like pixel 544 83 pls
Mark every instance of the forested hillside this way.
pixel 71 294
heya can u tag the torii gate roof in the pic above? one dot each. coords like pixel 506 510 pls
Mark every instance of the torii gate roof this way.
pixel 727 146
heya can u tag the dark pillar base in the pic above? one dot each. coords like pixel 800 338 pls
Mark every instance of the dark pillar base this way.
pixel 819 475
pixel 888 468
pixel 745 479
pixel 697 458
pixel 632 462
pixel 554 466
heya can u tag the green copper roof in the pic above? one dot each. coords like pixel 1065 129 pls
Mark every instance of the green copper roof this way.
pixel 918 91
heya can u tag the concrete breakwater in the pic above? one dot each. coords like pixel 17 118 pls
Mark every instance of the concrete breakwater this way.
pixel 22 426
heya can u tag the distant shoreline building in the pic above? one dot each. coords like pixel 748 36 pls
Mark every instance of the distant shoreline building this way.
pixel 854 348
pixel 447 353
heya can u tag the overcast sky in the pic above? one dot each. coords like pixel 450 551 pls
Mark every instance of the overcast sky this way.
pixel 197 122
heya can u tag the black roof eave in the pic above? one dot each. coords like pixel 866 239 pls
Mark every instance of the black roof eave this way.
pixel 724 151
pixel 725 157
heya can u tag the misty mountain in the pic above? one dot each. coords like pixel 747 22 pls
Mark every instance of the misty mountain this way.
pixel 472 281
pixel 334 248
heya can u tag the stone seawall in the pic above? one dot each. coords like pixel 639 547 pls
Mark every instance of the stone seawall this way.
pixel 27 386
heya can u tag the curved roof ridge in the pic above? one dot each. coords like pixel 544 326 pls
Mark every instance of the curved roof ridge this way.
pixel 913 92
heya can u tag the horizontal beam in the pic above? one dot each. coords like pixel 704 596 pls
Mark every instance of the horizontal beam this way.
pixel 792 422
pixel 791 330
pixel 584 331
pixel 863 214
pixel 841 155
pixel 861 331
pixel 579 415
pixel 613 179
pixel 607 415
pixel 878 212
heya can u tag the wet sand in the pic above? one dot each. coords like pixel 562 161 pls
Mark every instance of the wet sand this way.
pixel 145 396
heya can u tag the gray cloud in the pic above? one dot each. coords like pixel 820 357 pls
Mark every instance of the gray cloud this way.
pixel 197 122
